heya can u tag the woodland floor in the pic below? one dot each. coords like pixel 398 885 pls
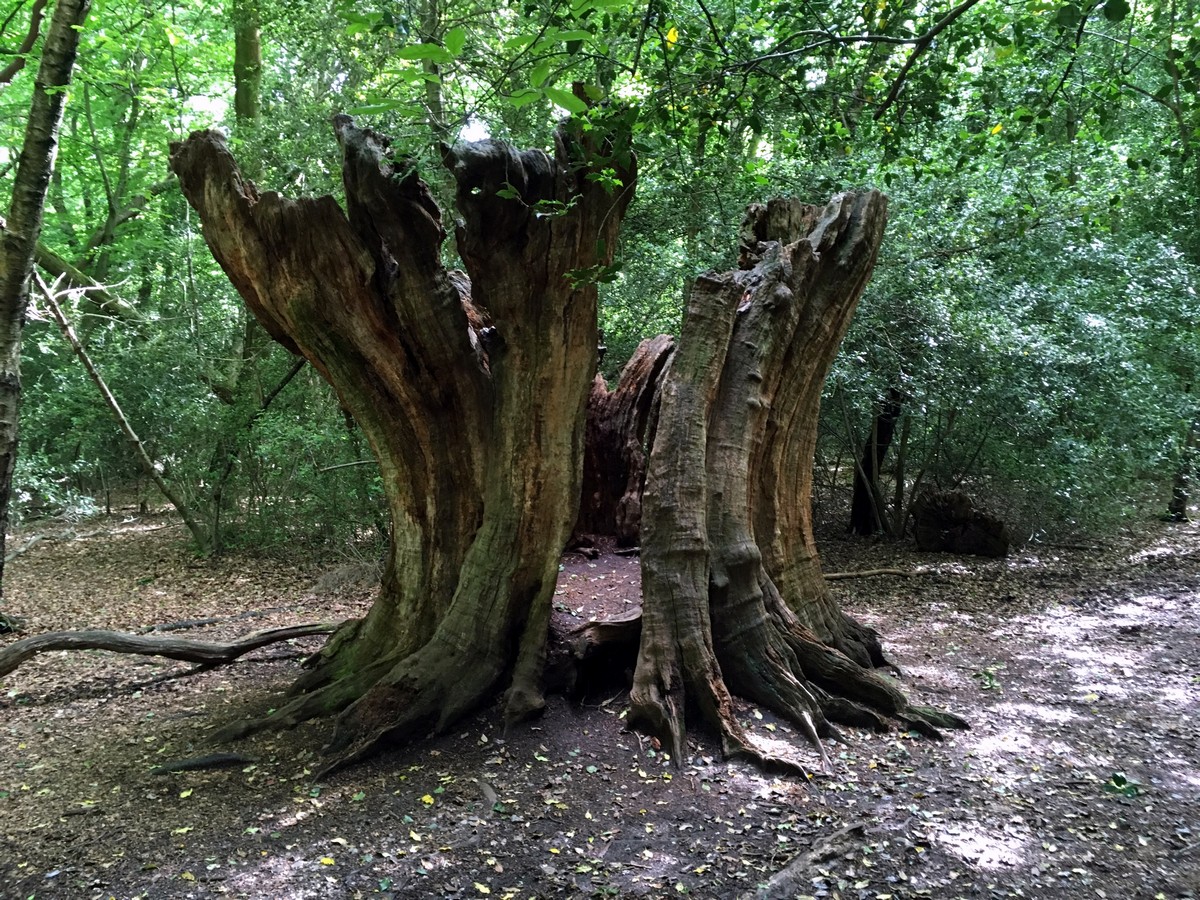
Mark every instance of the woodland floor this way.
pixel 1078 668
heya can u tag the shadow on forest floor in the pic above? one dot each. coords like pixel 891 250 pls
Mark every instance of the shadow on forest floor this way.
pixel 1080 776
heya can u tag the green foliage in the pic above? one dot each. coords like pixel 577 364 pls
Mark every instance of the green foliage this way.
pixel 1035 300
pixel 1120 783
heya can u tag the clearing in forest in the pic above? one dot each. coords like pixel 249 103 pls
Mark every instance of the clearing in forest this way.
pixel 1080 776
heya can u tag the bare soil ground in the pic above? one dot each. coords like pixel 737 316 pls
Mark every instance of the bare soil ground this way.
pixel 1080 776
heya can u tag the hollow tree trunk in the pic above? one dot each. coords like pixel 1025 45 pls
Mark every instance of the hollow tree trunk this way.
pixel 620 426
pixel 733 598
pixel 471 394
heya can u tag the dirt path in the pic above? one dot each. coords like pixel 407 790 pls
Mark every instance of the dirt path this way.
pixel 1080 777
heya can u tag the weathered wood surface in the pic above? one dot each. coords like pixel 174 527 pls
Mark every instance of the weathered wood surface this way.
pixel 182 649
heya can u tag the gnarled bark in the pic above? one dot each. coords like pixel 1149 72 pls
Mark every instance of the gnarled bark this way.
pixel 732 588
pixel 470 391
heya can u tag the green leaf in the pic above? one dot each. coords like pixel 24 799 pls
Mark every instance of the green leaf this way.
pixel 1068 16
pixel 431 52
pixel 519 42
pixel 540 73
pixel 566 100
pixel 1116 10
pixel 456 39
pixel 523 97
pixel 1119 783
pixel 374 109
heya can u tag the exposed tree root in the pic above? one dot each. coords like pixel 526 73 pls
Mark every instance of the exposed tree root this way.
pixel 389 701
pixel 330 699
pixel 657 707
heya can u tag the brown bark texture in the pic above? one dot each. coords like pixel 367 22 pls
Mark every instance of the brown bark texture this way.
pixel 470 388
pixel 23 225
pixel 733 597
pixel 620 426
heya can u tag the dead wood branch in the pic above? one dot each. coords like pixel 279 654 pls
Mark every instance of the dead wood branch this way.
pixel 201 763
pixel 867 573
pixel 146 645
pixel 785 882
pixel 625 628
pixel 195 526
pixel 26 546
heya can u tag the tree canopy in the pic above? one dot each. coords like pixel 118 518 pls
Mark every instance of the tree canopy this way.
pixel 1035 295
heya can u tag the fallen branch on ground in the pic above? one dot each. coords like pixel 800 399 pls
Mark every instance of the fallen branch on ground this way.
pixel 785 882
pixel 867 573
pixel 200 763
pixel 146 645
pixel 11 556
pixel 202 623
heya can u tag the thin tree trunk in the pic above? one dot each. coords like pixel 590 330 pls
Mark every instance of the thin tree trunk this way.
pixel 432 33
pixel 899 517
pixel 247 61
pixel 229 453
pixel 867 515
pixel 1181 489
pixel 24 224
pixel 200 534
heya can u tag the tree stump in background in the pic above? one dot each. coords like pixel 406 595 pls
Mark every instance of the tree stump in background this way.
pixel 948 521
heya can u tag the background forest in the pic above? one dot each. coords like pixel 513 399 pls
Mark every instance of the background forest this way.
pixel 1033 317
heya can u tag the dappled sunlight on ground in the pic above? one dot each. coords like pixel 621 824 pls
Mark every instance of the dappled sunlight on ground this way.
pixel 1080 776
pixel 1158 552
pixel 1037 712
pixel 982 846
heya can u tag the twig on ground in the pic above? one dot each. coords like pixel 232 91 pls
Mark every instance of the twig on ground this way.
pixel 867 573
